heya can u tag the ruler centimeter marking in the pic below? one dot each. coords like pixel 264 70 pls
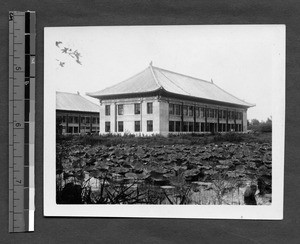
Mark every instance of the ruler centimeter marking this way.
pixel 22 34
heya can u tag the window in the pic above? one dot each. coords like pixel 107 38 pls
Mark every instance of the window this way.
pixel 185 126
pixel 224 114
pixel 178 126
pixel 94 120
pixel 137 108
pixel 177 109
pixel 211 113
pixel 149 108
pixel 191 111
pixel 137 126
pixel 201 112
pixel 220 128
pixel 107 126
pixel 87 120
pixel 197 127
pixel 228 127
pixel 120 126
pixel 171 108
pixel 76 119
pixel 150 125
pixel 171 126
pixel 64 119
pixel 75 129
pixel 207 127
pixel 70 129
pixel 211 127
pixel 70 120
pixel 120 109
pixel 197 112
pixel 191 126
pixel 82 120
pixel 216 113
pixel 185 110
pixel 107 110
pixel 98 120
pixel 202 127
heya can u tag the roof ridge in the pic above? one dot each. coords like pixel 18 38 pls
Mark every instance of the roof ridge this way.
pixel 68 93
pixel 154 76
pixel 174 83
pixel 89 101
pixel 252 104
pixel 117 84
pixel 76 94
pixel 182 74
pixel 75 102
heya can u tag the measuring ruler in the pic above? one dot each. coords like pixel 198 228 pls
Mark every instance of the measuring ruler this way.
pixel 22 35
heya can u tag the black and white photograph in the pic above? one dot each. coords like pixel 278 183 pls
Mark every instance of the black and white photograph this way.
pixel 164 121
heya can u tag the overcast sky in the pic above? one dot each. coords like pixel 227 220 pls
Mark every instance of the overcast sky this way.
pixel 241 59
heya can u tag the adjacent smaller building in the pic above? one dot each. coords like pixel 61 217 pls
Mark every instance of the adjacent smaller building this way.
pixel 75 114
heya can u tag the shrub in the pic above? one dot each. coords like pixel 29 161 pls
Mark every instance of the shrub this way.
pixel 264 127
pixel 230 137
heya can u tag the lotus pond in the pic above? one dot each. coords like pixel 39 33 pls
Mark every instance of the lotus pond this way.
pixel 215 173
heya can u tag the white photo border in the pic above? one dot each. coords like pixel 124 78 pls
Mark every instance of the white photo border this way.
pixel 272 212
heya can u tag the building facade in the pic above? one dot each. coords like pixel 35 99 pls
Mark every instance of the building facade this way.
pixel 75 114
pixel 158 101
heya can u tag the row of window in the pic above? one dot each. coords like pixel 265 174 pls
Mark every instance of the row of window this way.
pixel 137 126
pixel 75 129
pixel 176 109
pixel 137 109
pixel 175 126
pixel 75 119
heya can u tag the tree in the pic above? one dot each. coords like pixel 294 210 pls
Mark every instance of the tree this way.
pixel 254 122
pixel 266 126
pixel 262 126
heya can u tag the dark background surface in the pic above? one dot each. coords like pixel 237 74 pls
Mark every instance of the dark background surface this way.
pixel 116 230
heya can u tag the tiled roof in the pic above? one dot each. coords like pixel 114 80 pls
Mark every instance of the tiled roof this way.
pixel 74 102
pixel 153 78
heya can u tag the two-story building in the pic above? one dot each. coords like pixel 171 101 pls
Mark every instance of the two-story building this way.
pixel 75 114
pixel 158 101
